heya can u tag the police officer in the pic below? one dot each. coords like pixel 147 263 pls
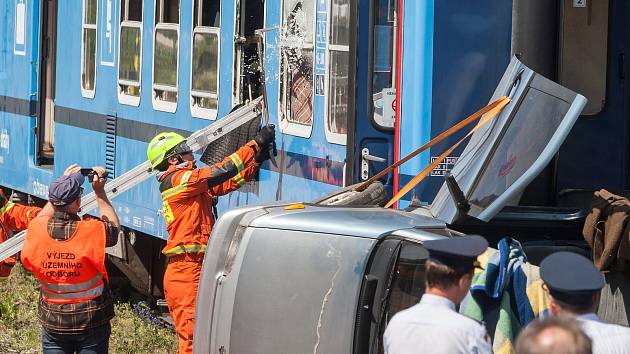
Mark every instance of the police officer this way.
pixel 574 285
pixel 433 325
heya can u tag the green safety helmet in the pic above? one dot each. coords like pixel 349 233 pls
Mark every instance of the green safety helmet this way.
pixel 163 146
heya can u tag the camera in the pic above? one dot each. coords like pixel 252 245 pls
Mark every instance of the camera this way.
pixel 88 172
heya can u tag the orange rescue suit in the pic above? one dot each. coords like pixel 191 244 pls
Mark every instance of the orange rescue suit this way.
pixel 13 217
pixel 187 195
pixel 69 271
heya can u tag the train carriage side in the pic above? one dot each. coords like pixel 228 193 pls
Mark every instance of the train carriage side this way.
pixel 20 48
pixel 157 66
pixel 453 53
pixel 308 88
pixel 116 73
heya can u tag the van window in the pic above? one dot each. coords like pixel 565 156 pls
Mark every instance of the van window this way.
pixel 407 284
pixel 584 52
pixel 88 48
pixel 129 65
pixel 165 55
pixel 296 67
pixel 338 64
pixel 205 59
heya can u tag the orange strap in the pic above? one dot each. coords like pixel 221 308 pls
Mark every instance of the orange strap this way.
pixel 436 140
pixel 494 108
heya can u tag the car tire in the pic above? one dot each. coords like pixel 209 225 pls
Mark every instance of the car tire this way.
pixel 373 195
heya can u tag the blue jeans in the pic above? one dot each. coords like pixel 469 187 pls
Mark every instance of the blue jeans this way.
pixel 92 341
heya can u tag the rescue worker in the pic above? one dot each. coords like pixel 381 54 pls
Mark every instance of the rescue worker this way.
pixel 67 255
pixel 574 285
pixel 13 217
pixel 187 197
pixel 434 325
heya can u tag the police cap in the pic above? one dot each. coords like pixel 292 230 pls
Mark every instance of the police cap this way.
pixel 571 278
pixel 456 252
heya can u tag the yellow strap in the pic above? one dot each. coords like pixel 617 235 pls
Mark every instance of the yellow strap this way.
pixel 503 100
pixel 418 178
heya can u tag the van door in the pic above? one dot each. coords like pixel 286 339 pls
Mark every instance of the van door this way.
pixel 394 282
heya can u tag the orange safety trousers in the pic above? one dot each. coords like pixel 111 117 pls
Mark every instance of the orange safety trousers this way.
pixel 181 281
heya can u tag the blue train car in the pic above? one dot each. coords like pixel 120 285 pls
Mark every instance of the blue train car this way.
pixel 453 53
pixel 353 86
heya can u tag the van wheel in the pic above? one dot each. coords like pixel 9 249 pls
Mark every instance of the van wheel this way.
pixel 374 194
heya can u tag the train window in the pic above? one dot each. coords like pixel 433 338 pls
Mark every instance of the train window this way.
pixel 338 63
pixel 130 54
pixel 165 55
pixel 204 80
pixel 296 67
pixel 584 52
pixel 384 76
pixel 88 49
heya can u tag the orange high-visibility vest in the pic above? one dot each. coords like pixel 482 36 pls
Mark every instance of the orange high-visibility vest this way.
pixel 69 271
pixel 187 198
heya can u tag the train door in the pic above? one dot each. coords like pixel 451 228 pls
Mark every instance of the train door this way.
pixel 46 104
pixel 373 147
pixel 593 60
pixel 582 45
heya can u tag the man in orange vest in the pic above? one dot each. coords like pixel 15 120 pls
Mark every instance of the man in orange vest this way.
pixel 67 255
pixel 13 217
pixel 187 196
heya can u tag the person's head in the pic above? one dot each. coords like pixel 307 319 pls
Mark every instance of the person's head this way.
pixel 573 282
pixel 451 264
pixel 65 193
pixel 167 149
pixel 553 335
pixel 451 280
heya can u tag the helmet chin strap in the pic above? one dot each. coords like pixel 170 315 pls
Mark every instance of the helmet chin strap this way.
pixel 181 161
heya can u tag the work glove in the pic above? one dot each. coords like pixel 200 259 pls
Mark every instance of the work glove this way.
pixel 266 136
pixel 264 153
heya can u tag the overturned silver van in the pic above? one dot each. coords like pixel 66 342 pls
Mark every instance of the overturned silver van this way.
pixel 314 278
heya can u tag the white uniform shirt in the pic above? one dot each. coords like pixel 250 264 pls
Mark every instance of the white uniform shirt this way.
pixel 606 338
pixel 433 326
